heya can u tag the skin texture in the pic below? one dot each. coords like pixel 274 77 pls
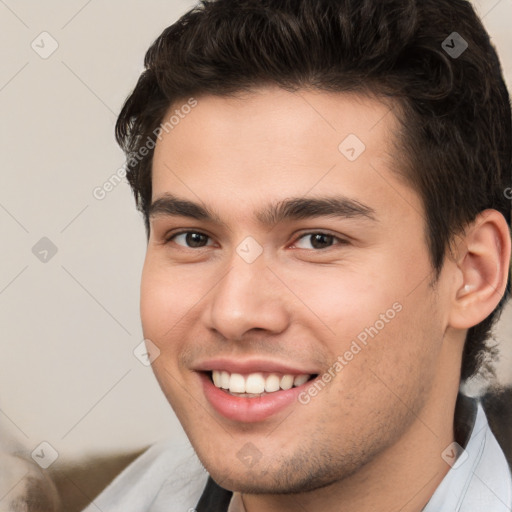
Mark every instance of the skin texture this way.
pixel 356 445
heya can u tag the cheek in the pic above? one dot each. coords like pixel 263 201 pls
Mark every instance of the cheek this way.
pixel 379 329
pixel 343 301
pixel 383 379
pixel 156 301
pixel 163 303
pixel 404 354
pixel 167 299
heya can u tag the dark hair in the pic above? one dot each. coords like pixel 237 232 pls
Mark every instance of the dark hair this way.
pixel 454 110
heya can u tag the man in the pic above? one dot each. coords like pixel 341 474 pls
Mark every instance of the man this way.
pixel 325 190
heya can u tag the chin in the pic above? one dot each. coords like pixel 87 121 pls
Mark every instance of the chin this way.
pixel 290 474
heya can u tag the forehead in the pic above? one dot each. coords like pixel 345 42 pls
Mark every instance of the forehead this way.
pixel 271 117
pixel 271 144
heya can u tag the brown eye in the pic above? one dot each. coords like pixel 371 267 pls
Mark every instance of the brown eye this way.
pixel 190 239
pixel 316 241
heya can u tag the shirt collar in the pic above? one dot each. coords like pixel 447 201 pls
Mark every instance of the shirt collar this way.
pixel 479 478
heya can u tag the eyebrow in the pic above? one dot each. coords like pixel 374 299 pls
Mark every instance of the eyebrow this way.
pixel 295 208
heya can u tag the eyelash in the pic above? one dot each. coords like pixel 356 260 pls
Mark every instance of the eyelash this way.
pixel 301 236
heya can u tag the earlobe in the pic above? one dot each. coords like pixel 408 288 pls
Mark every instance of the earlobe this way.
pixel 483 263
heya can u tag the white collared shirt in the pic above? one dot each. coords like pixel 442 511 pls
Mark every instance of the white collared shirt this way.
pixel 482 482
pixel 169 478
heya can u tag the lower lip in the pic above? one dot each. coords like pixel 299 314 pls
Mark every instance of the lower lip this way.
pixel 249 410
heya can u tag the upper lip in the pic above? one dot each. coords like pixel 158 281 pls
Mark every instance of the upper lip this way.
pixel 252 366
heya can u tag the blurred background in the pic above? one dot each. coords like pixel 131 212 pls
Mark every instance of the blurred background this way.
pixel 73 244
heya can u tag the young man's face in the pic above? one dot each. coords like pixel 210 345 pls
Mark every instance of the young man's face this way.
pixel 343 295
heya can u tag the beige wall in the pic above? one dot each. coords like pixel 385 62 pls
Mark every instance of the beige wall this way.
pixel 67 372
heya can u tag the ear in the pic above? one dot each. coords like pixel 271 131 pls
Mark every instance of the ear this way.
pixel 482 259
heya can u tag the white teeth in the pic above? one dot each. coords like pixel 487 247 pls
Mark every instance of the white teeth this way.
pixel 300 379
pixel 286 381
pixel 256 383
pixel 237 383
pixel 224 380
pixel 272 383
pixel 217 379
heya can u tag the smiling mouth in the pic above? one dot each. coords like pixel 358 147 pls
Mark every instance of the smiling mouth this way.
pixel 254 385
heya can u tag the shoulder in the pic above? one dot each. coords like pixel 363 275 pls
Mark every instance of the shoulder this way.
pixel 167 476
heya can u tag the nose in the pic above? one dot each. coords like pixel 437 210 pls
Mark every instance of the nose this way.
pixel 248 297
